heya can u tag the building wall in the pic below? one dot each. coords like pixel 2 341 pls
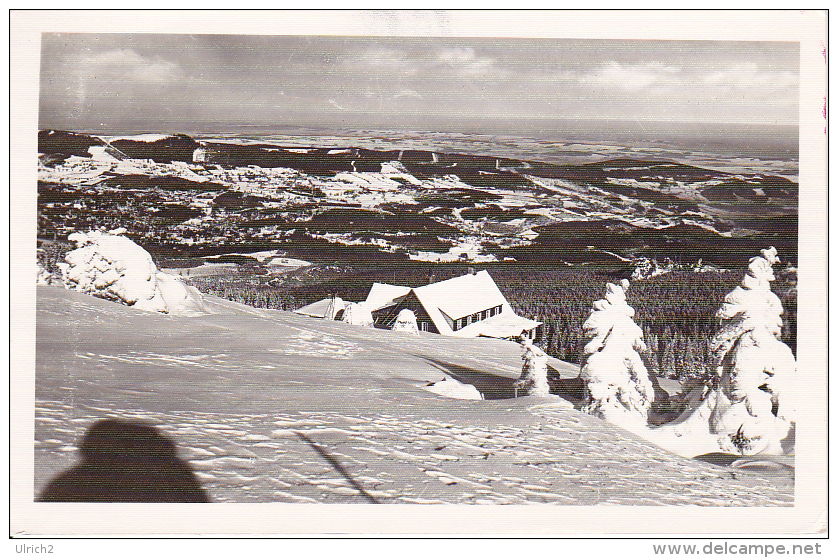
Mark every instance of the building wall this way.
pixel 466 321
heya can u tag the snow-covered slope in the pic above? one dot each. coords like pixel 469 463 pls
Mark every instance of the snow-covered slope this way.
pixel 256 398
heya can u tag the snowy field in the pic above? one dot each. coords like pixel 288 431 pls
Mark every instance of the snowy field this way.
pixel 270 406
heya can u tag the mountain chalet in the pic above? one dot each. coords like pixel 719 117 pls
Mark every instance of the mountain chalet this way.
pixel 467 306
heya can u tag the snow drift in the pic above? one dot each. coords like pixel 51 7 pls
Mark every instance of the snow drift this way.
pixel 113 267
pixel 452 389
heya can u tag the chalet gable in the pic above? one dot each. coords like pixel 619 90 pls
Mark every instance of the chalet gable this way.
pixel 463 296
pixel 382 295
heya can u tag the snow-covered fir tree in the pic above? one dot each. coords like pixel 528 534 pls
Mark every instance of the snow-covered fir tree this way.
pixel 533 380
pixel 617 384
pixel 752 412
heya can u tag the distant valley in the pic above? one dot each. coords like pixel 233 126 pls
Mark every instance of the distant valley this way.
pixel 184 198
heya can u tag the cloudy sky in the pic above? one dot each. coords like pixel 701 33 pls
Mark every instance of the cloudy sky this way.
pixel 161 82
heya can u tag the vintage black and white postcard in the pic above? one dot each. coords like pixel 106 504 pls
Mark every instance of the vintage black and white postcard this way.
pixel 307 264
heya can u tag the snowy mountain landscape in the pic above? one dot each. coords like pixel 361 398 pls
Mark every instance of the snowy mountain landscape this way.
pixel 554 279
pixel 267 405
pixel 198 198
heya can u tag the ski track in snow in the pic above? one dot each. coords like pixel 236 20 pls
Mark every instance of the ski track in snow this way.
pixel 267 440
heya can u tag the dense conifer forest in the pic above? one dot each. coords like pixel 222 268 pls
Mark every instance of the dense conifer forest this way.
pixel 676 310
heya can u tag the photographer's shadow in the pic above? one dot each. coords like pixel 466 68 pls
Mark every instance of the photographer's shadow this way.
pixel 126 461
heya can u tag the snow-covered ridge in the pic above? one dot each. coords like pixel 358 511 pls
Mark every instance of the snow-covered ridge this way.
pixel 454 196
pixel 146 138
pixel 467 249
pixel 267 257
pixel 645 268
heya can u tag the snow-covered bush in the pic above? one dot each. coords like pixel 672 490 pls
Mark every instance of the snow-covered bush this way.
pixel 645 268
pixel 357 313
pixel 533 380
pixel 43 276
pixel 752 412
pixel 111 266
pixel 617 384
pixel 406 321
